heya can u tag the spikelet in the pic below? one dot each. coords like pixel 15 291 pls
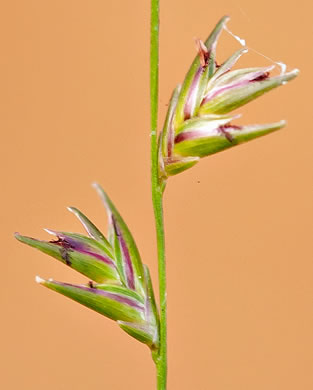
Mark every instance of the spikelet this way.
pixel 198 122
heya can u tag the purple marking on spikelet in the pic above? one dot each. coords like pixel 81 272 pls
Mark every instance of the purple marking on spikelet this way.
pixel 189 135
pixel 128 266
pixel 192 93
pixel 170 139
pixel 255 77
pixel 218 91
pixel 195 134
pixel 70 244
pixel 116 297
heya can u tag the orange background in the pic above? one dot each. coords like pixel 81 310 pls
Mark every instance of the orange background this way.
pixel 74 108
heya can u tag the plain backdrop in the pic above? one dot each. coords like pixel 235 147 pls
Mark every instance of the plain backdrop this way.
pixel 74 108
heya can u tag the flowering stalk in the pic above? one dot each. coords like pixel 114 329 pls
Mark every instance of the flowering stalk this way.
pixel 157 191
pixel 198 124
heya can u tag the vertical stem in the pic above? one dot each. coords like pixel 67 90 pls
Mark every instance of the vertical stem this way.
pixel 161 361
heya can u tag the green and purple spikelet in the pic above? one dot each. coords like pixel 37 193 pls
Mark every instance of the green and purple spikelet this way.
pixel 198 123
pixel 120 286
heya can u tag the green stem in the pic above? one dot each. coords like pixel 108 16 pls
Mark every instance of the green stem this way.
pixel 157 197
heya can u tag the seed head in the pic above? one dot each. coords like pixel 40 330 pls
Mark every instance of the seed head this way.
pixel 198 121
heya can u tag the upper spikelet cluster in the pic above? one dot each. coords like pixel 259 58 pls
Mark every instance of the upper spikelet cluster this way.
pixel 198 121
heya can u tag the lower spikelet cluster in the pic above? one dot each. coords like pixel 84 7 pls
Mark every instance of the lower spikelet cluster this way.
pixel 120 286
